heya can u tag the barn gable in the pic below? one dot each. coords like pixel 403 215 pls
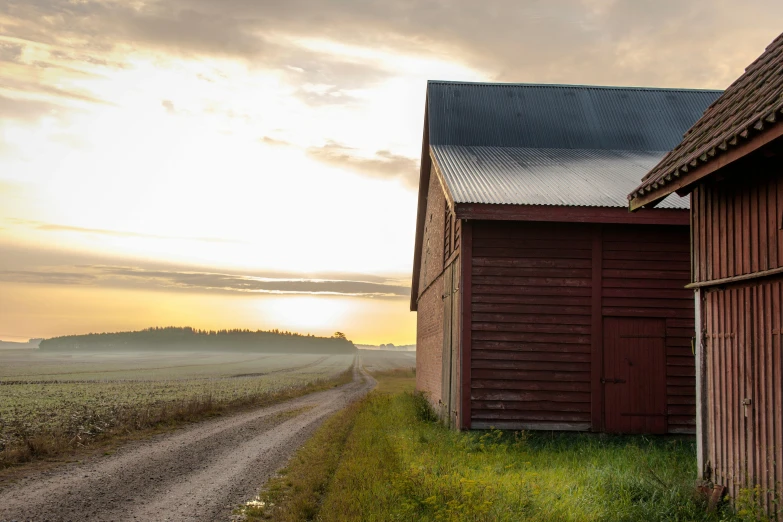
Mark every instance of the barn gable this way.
pixel 543 279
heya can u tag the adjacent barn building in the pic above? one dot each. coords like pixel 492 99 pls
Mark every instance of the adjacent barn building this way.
pixel 731 164
pixel 542 302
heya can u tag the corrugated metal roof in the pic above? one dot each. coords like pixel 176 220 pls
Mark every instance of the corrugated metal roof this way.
pixel 545 176
pixel 751 105
pixel 562 116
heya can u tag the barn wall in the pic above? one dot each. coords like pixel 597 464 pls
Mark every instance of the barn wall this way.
pixel 429 316
pixel 433 239
pixel 743 345
pixel 534 286
pixel 738 223
pixel 530 332
pixel 738 231
pixel 644 272
pixel 429 342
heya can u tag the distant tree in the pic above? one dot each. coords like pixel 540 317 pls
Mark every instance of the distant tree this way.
pixel 339 335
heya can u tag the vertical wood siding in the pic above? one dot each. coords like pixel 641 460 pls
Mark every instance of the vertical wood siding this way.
pixel 738 230
pixel 743 342
pixel 738 226
pixel 532 305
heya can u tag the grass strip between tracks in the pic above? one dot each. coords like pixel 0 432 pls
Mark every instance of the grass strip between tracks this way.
pixel 387 458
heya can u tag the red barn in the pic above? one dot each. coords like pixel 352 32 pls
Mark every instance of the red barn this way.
pixel 731 164
pixel 542 302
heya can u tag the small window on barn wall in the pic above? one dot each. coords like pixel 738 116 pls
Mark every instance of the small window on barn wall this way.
pixel 447 222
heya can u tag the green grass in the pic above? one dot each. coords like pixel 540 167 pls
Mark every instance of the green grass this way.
pixel 49 404
pixel 398 463
pixel 297 492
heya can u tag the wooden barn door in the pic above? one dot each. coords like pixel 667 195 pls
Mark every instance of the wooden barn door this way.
pixel 634 375
pixel 450 366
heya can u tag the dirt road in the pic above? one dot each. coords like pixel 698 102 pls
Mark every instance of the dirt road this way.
pixel 199 473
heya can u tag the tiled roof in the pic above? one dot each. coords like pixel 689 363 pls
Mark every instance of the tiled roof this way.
pixel 529 176
pixel 751 105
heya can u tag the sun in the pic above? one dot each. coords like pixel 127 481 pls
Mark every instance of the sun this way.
pixel 307 314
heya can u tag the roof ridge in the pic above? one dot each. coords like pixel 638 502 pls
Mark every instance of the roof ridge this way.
pixel 566 85
pixel 577 149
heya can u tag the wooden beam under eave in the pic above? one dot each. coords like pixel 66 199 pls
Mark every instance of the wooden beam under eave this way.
pixel 571 214
pixel 647 201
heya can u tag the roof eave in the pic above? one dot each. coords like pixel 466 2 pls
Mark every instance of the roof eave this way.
pixel 424 183
pixel 648 200
pixel 684 184
pixel 571 214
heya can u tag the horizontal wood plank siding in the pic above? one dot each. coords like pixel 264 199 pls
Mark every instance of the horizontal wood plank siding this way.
pixel 531 318
pixel 653 286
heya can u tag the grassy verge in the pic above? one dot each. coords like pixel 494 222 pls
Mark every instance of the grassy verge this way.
pixel 298 492
pixel 90 432
pixel 387 459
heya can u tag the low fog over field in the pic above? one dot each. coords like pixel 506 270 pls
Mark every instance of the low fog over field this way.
pixel 78 388
pixel 383 360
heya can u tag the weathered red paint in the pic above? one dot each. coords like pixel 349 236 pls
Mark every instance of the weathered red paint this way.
pixel 570 214
pixel 466 322
pixel 635 375
pixel 541 293
pixel 737 254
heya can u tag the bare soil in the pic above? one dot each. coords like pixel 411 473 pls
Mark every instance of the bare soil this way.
pixel 198 473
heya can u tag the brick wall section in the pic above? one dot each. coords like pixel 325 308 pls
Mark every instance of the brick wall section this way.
pixel 429 318
pixel 429 342
pixel 432 247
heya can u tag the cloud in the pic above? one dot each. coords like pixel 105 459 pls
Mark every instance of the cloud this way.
pixel 10 52
pixel 50 277
pixel 274 142
pixel 651 42
pixel 53 227
pixel 199 281
pixel 25 110
pixel 37 88
pixel 383 164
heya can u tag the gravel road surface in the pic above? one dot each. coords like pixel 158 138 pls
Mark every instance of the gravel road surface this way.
pixel 198 473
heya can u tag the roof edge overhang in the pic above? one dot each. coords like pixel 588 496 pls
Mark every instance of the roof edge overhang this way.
pixel 684 182
pixel 571 214
pixel 421 211
pixel 427 162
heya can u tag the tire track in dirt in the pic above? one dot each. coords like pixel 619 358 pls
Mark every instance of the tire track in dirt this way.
pixel 198 473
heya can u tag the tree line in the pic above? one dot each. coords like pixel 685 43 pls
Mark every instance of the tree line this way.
pixel 173 338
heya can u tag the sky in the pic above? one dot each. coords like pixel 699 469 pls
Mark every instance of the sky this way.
pixel 254 163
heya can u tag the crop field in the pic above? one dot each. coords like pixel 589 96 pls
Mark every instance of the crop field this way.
pixel 385 360
pixel 55 400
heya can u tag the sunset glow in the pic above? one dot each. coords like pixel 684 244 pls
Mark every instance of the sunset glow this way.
pixel 255 164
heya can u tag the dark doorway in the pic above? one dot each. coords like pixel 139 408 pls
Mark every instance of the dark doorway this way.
pixel 634 375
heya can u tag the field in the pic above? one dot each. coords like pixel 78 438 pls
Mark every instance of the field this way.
pixel 387 458
pixel 384 360
pixel 51 401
